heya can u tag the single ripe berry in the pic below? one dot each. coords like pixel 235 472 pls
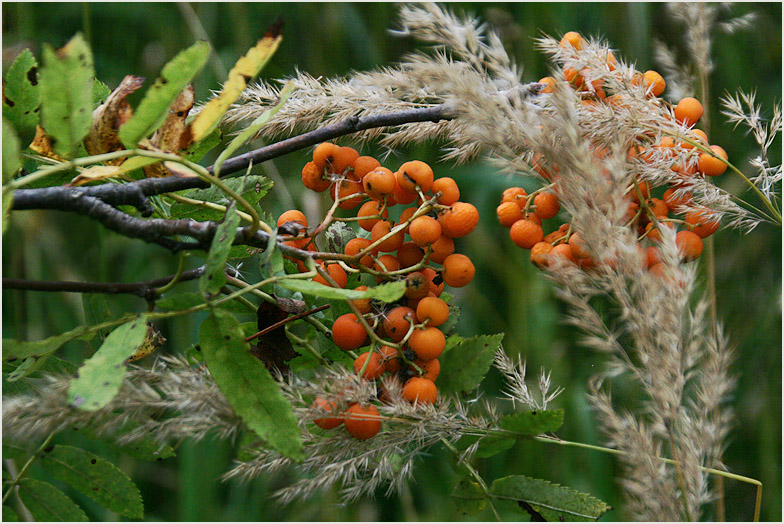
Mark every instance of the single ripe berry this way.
pixel 424 230
pixel 362 304
pixel 372 208
pixel 344 190
pixel 374 368
pixel 322 404
pixel 313 178
pixel 654 82
pixel 547 205
pixel 689 244
pixel 402 196
pixel 702 222
pixel 420 390
pixel 378 183
pixel 431 368
pixel 292 215
pixel 459 220
pixel 450 193
pixel 526 233
pixel 562 252
pixel 658 207
pixel 405 216
pixel 674 202
pixel 540 254
pixel 347 332
pixel 549 84
pixel 442 248
pixel 572 38
pixel 428 343
pixel 362 423
pixel 515 194
pixel 435 280
pixel 416 286
pixel 390 357
pixel 325 155
pixel 397 322
pixel 432 309
pixel 458 270
pixel 337 273
pixel 410 254
pixel 364 165
pixel 508 213
pixel 355 246
pixel 415 173
pixel 709 165
pixel 688 111
pixel 577 245
pixel 386 264
pixel 381 229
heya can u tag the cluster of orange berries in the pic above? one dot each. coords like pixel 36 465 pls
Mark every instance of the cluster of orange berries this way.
pixel 406 339
pixel 523 213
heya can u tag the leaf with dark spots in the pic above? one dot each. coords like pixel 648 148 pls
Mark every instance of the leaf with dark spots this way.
pixel 21 96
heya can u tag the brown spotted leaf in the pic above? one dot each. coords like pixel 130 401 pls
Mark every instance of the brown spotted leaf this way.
pixel 42 145
pixel 109 116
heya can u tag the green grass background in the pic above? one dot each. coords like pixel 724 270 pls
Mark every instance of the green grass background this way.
pixel 508 295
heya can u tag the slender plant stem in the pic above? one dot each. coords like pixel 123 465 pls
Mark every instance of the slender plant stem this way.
pixel 476 476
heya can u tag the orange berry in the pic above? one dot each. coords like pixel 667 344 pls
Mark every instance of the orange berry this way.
pixel 709 165
pixel 572 38
pixel 658 207
pixel 431 276
pixel 325 155
pixel 375 367
pixel 424 230
pixel 652 256
pixel 364 165
pixel 380 230
pixel 653 230
pixel 689 244
pixel 405 216
pixel 362 423
pixel 703 222
pixel 549 84
pixel 391 358
pixel 688 111
pixel 431 368
pixel 386 264
pixel 611 61
pixel 526 233
pixel 323 404
pixel 362 304
pixel 442 248
pixel 448 187
pixel 547 205
pixel 673 202
pixel 337 273
pixel 356 245
pixel 432 308
pixel 346 158
pixel 428 343
pixel 346 188
pixel 415 173
pixel 396 322
pixel 292 215
pixel 563 251
pixel 540 254
pixel 577 245
pixel 402 196
pixel 409 254
pixel 654 83
pixel 508 213
pixel 420 390
pixel 515 194
pixel 459 220
pixel 416 286
pixel 313 178
pixel 379 182
pixel 347 332
pixel 372 208
pixel 458 270
pixel 573 77
pixel 554 237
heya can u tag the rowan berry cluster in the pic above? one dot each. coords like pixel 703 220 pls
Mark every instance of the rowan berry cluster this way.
pixel 418 247
pixel 687 156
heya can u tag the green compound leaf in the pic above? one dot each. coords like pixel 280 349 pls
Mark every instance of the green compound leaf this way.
pixel 465 365
pixel 100 377
pixel 67 95
pixel 22 97
pixel 385 292
pixel 214 277
pixel 95 477
pixel 247 385
pixel 252 188
pixel 100 92
pixel 9 515
pixel 533 422
pixel 543 500
pixel 12 162
pixel 47 503
pixel 469 498
pixel 16 349
pixel 144 449
pixel 153 108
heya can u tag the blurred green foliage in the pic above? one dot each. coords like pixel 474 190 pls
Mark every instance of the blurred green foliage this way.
pixel 509 295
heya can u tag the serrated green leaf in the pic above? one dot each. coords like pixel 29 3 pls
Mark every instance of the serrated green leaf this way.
pixel 144 449
pixel 12 450
pixel 12 162
pixel 247 385
pixel 465 365
pixel 544 500
pixel 452 321
pixel 197 150
pixel 385 292
pixel 251 188
pixel 66 95
pixel 214 277
pixel 488 446
pixel 101 376
pixel 21 96
pixel 95 477
pixel 153 108
pixel 254 127
pixel 469 498
pixel 533 422
pixel 337 236
pixel 189 300
pixel 100 92
pixel 18 349
pixel 9 515
pixel 47 503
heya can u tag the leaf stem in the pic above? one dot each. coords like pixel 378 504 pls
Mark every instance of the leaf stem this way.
pixel 476 476
pixel 26 466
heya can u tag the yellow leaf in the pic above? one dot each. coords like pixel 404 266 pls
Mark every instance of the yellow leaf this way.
pixel 96 173
pixel 152 341
pixel 109 116
pixel 173 136
pixel 246 68
pixel 42 145
pixel 180 170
